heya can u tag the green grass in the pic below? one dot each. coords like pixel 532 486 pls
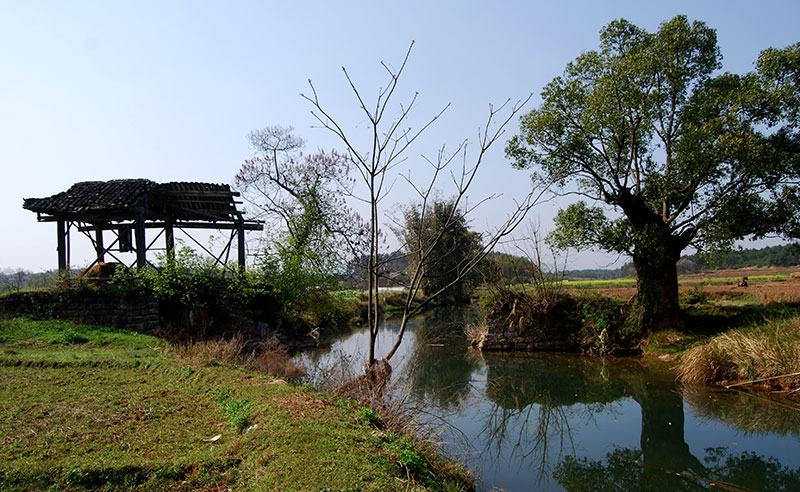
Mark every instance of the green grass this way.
pixel 629 282
pixel 92 407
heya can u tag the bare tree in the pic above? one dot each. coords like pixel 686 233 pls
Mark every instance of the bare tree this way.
pixel 389 142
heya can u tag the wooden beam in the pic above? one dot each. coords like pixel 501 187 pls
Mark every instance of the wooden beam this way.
pixel 248 225
pixel 201 194
pixel 62 245
pixel 169 238
pixel 98 244
pixel 141 242
pixel 240 244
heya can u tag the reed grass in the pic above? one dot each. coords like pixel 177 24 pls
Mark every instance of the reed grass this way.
pixel 764 350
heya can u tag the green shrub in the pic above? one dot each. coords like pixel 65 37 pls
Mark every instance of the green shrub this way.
pixel 694 296
pixel 589 323
pixel 409 459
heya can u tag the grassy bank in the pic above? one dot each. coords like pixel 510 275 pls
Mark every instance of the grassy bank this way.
pixel 92 407
pixel 734 337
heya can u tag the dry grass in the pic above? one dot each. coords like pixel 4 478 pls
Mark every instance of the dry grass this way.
pixel 267 358
pixel 762 351
pixel 475 332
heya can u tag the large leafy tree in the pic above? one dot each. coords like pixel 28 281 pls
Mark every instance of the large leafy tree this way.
pixel 668 154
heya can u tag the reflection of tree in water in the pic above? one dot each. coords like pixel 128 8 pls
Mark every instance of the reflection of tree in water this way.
pixel 535 397
pixel 441 368
pixel 539 399
pixel 664 461
pixel 750 412
pixel 623 470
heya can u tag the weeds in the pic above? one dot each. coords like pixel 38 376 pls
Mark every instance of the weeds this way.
pixel 267 358
pixel 410 461
pixel 475 332
pixel 72 338
pixel 694 296
pixel 270 358
pixel 369 417
pixel 237 411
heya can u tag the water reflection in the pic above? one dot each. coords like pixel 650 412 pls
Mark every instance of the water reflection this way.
pixel 441 367
pixel 559 421
pixel 622 469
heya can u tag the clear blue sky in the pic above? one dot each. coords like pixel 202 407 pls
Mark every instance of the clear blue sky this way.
pixel 168 90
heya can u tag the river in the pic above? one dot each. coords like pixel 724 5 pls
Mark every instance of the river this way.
pixel 553 421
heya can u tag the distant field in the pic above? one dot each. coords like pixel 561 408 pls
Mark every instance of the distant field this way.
pixel 769 284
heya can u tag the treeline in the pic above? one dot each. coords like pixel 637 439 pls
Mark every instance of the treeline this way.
pixel 516 269
pixel 15 280
pixel 775 256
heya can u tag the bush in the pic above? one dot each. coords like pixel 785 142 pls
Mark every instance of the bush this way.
pixel 369 417
pixel 408 458
pixel 694 296
pixel 188 280
pixel 268 358
pixel 72 338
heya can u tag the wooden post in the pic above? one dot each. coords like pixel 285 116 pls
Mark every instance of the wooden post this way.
pixel 240 231
pixel 62 245
pixel 98 246
pixel 141 244
pixel 169 238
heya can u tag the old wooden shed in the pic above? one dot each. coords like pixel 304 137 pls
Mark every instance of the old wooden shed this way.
pixel 127 208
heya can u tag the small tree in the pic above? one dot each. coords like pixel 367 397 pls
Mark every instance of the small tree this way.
pixel 681 157
pixel 438 242
pixel 303 198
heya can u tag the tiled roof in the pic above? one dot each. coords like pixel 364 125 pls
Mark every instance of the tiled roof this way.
pixel 119 200
pixel 94 196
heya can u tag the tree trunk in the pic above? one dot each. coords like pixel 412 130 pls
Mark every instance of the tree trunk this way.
pixel 656 304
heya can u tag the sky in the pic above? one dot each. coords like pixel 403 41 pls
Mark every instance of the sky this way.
pixel 169 90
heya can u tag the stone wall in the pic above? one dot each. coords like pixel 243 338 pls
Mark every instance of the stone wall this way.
pixel 510 338
pixel 134 311
pixel 520 322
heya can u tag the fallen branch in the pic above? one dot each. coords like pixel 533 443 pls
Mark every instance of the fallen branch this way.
pixel 729 386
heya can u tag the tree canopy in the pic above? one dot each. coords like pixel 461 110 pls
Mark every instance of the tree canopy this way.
pixel 681 156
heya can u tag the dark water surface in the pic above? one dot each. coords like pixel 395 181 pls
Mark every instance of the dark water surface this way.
pixel 551 421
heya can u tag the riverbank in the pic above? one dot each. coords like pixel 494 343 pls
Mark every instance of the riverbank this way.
pixel 750 341
pixel 747 336
pixel 89 407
